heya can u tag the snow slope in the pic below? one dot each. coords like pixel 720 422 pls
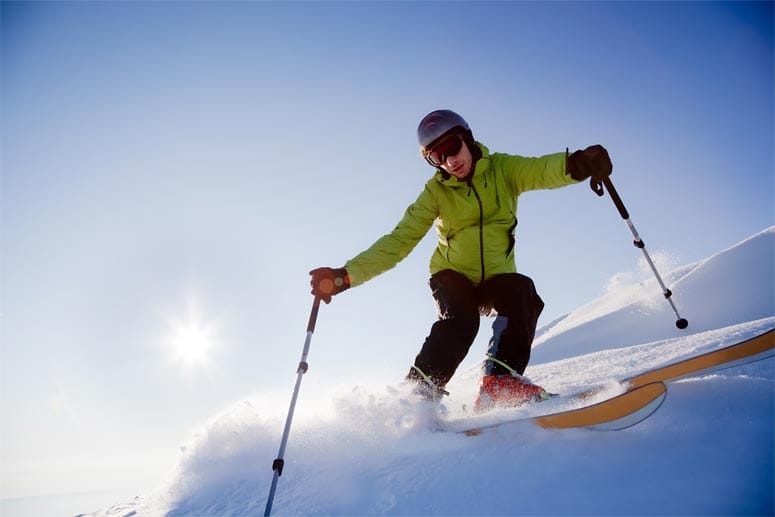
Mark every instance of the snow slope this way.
pixel 369 450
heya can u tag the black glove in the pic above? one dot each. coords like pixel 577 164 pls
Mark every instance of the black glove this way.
pixel 327 282
pixel 593 162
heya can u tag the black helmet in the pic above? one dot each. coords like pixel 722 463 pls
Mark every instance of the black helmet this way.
pixel 436 123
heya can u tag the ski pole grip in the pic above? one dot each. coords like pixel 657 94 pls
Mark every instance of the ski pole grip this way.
pixel 615 198
pixel 313 315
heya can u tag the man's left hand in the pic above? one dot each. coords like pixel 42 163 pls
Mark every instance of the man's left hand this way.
pixel 593 162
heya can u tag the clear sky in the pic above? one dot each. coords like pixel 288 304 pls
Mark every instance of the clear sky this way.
pixel 171 171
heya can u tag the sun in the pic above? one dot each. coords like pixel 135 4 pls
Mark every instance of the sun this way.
pixel 191 337
pixel 192 343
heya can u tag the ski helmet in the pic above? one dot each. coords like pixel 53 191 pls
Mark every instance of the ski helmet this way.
pixel 435 124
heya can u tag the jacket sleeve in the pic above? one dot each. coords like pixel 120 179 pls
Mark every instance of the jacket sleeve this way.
pixel 545 172
pixel 392 248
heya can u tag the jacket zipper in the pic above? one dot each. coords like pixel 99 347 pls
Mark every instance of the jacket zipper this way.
pixel 481 229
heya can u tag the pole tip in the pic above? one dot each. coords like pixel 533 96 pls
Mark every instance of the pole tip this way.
pixel 682 323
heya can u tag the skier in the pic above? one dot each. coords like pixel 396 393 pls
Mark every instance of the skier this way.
pixel 472 198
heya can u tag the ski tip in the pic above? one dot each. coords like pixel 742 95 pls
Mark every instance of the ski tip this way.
pixel 619 412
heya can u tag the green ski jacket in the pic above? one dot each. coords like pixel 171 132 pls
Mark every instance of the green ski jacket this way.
pixel 475 219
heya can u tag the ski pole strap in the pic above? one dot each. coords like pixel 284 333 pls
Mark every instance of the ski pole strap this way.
pixel 427 380
pixel 508 368
pixel 596 186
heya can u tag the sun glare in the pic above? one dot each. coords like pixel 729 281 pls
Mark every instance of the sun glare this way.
pixel 191 338
pixel 192 344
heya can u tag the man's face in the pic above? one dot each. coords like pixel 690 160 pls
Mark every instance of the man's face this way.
pixel 453 155
pixel 459 165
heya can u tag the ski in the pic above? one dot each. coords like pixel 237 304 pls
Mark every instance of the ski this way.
pixel 645 391
pixel 748 351
pixel 618 412
pixel 753 349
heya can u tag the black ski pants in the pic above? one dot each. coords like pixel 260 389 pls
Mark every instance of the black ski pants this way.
pixel 511 297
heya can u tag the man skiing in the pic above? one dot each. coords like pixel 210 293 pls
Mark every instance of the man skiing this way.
pixel 472 199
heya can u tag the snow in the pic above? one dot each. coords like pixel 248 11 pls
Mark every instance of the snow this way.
pixel 372 450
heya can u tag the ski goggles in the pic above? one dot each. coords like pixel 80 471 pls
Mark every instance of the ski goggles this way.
pixel 449 146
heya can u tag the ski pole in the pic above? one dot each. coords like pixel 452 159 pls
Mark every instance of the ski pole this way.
pixel 681 323
pixel 279 462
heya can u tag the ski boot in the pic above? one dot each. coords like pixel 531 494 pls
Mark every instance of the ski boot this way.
pixel 508 390
pixel 425 388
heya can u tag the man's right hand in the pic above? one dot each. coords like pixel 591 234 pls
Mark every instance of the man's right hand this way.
pixel 326 282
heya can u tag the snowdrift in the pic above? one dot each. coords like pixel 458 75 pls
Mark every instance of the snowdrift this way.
pixel 370 450
pixel 733 286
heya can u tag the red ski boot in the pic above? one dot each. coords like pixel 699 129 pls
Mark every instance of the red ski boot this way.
pixel 507 391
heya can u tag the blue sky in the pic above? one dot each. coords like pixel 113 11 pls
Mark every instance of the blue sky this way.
pixel 172 170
